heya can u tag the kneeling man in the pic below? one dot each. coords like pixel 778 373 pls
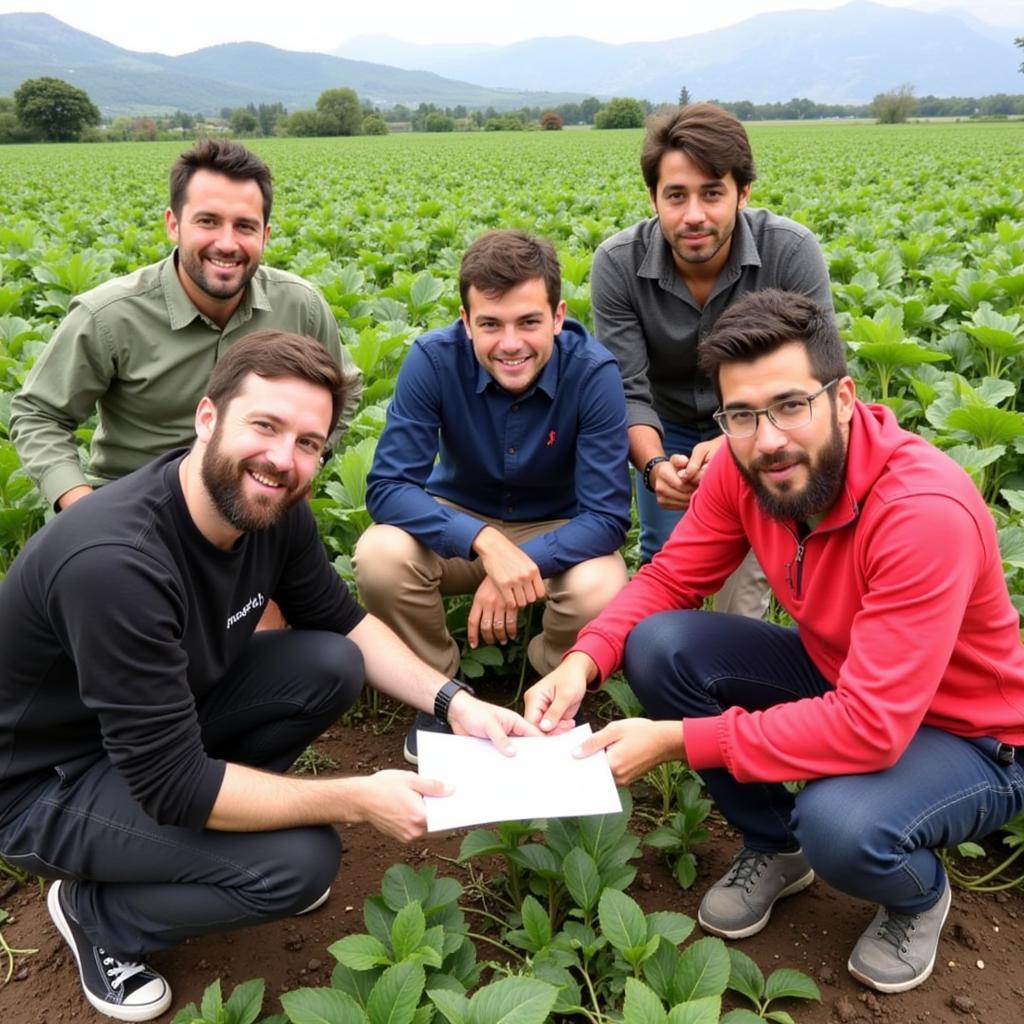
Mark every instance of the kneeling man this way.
pixel 530 496
pixel 899 697
pixel 144 726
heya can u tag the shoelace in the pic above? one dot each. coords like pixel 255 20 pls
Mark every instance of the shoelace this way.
pixel 120 971
pixel 747 866
pixel 895 928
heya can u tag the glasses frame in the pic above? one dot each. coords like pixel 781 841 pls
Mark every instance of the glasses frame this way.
pixel 721 415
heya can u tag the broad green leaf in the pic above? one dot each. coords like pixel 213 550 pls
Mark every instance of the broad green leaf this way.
pixel 745 976
pixel 322 1006
pixel 401 885
pixel 742 1016
pixel 582 878
pixel 622 920
pixel 641 1005
pixel 481 842
pixel 659 969
pixel 988 425
pixel 786 983
pixel 425 290
pixel 246 1001
pixel 408 930
pixel 1011 546
pixel 537 858
pixel 696 1011
pixel 213 1001
pixel 360 952
pixel 536 922
pixel 703 970
pixel 671 925
pixel 779 1017
pixel 396 995
pixel 513 1001
pixel 378 918
pixel 453 1005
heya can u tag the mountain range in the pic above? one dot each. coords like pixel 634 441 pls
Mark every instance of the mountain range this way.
pixel 843 55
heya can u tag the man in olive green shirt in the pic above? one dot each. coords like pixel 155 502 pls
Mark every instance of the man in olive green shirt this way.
pixel 139 349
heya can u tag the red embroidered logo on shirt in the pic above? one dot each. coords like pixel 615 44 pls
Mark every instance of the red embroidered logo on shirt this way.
pixel 551 438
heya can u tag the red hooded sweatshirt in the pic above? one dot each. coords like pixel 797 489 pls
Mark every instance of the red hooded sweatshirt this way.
pixel 898 593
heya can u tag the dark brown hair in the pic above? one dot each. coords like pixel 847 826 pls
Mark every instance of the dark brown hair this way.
pixel 710 136
pixel 498 261
pixel 275 354
pixel 221 156
pixel 762 322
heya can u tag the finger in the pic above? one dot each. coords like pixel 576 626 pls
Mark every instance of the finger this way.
pixel 560 708
pixel 430 787
pixel 497 735
pixel 592 744
pixel 473 624
pixel 511 625
pixel 519 726
pixel 535 703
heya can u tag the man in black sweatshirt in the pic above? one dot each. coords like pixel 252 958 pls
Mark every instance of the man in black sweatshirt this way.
pixel 145 726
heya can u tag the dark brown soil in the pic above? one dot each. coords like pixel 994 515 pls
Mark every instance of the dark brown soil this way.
pixel 979 976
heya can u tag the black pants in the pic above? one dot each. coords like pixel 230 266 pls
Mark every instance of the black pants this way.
pixel 144 886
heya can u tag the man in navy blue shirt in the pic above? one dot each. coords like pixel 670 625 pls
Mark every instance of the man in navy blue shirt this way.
pixel 502 470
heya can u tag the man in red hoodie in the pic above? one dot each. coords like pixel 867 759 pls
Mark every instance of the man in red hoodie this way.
pixel 899 697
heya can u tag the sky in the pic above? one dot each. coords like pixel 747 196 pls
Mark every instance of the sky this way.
pixel 188 25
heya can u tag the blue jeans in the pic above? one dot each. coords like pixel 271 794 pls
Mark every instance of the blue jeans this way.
pixel 142 886
pixel 870 835
pixel 656 523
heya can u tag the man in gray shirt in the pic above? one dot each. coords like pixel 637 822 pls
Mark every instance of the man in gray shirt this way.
pixel 658 287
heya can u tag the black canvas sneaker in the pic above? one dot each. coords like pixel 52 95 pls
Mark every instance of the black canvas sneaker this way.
pixel 122 989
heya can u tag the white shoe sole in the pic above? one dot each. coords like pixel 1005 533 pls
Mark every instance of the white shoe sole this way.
pixel 128 1013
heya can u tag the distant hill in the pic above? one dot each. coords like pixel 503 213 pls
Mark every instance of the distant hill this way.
pixel 844 55
pixel 127 82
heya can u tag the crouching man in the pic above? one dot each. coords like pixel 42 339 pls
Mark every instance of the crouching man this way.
pixel 529 499
pixel 145 727
pixel 900 694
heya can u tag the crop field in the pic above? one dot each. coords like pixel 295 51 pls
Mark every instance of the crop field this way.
pixel 921 225
pixel 923 230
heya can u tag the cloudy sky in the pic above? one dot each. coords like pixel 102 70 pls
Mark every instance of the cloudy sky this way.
pixel 189 25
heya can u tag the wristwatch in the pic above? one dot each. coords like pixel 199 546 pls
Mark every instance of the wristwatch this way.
pixel 651 463
pixel 443 699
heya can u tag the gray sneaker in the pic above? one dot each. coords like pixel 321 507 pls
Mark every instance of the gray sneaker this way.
pixel 897 951
pixel 740 903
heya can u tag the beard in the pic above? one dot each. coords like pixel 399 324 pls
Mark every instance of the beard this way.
pixel 224 478
pixel 192 264
pixel 825 477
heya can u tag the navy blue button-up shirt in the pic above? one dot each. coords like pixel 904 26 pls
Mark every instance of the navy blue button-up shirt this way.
pixel 558 451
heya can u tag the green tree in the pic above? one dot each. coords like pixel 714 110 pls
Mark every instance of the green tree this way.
pixel 684 97
pixel 1019 41
pixel 895 105
pixel 374 124
pixel 620 113
pixel 589 108
pixel 302 124
pixel 54 109
pixel 435 121
pixel 243 122
pixel 339 112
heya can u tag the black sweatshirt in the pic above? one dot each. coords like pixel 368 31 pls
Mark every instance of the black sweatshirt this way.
pixel 119 617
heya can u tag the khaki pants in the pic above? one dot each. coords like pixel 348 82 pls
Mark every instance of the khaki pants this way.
pixel 402 582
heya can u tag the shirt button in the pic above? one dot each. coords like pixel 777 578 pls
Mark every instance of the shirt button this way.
pixel 511 451
pixel 515 408
pixel 508 509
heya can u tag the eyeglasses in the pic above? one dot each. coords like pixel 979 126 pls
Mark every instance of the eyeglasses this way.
pixel 788 414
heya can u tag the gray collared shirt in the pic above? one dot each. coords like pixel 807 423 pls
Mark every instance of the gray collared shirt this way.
pixel 644 312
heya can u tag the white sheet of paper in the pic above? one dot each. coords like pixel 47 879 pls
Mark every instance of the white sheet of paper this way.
pixel 543 780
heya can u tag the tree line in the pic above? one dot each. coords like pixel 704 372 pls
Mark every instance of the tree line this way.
pixel 49 109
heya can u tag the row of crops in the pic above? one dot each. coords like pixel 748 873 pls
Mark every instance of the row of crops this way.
pixel 921 226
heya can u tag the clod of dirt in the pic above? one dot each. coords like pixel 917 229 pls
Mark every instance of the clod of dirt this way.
pixel 962 1004
pixel 844 1010
pixel 965 937
pixel 826 975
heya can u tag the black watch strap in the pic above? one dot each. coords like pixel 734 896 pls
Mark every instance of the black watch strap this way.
pixel 444 697
pixel 651 463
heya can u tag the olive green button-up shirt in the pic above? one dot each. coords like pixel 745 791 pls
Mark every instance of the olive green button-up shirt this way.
pixel 137 350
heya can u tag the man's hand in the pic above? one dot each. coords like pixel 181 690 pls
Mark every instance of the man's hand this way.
pixel 553 701
pixel 679 477
pixel 491 616
pixel 635 746
pixel 512 571
pixel 471 717
pixel 392 802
